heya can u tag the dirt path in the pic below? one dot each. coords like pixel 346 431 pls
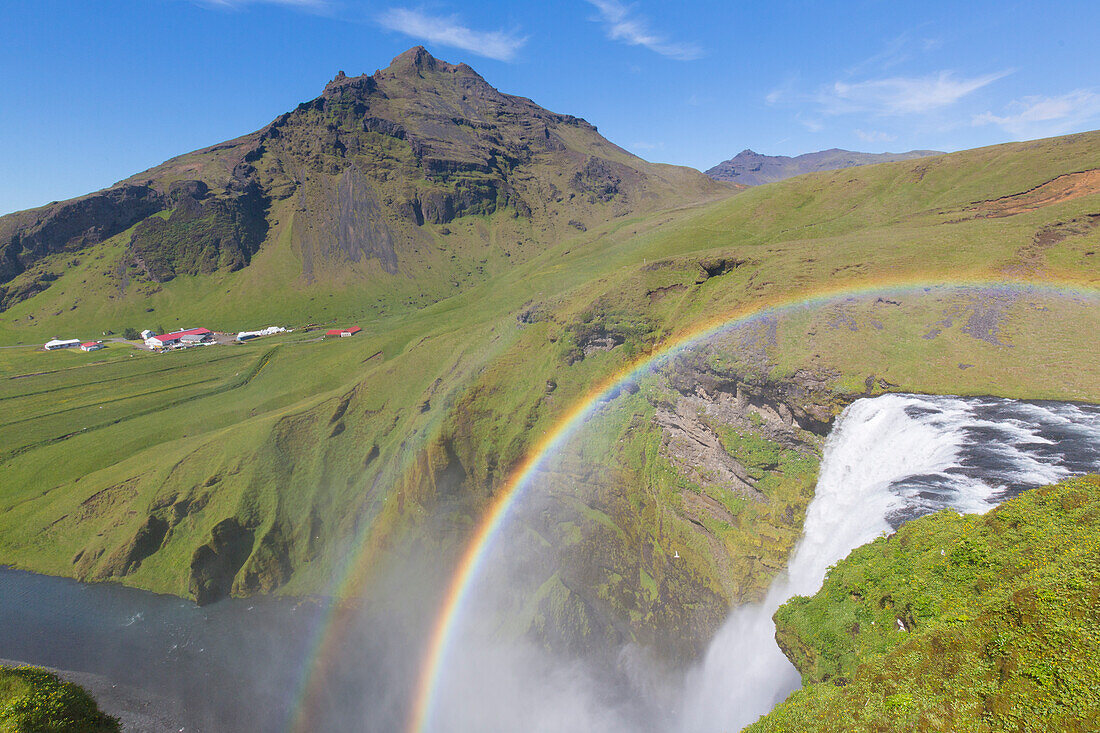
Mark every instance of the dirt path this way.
pixel 1063 188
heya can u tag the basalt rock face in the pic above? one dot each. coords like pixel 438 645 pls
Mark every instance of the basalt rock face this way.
pixel 203 233
pixel 68 226
pixel 369 172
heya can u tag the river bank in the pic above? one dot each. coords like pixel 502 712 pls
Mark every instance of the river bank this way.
pixel 138 710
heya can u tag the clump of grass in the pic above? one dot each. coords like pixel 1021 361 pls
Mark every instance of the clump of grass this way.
pixel 33 700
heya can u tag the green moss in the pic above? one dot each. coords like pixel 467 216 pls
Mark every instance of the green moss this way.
pixel 33 700
pixel 977 623
pixel 754 451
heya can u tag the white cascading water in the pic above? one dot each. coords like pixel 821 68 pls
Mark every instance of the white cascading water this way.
pixel 888 459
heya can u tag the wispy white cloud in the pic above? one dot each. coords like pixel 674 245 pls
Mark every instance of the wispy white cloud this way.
pixel 785 91
pixel 621 23
pixel 810 123
pixel 1039 116
pixel 900 95
pixel 874 136
pixel 448 30
pixel 895 52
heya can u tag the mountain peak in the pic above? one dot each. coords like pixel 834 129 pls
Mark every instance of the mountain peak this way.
pixel 375 167
pixel 412 63
pixel 416 61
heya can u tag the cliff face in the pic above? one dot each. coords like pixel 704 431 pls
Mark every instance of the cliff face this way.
pixel 26 237
pixel 371 171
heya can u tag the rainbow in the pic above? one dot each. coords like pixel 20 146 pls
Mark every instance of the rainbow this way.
pixel 325 635
pixel 477 548
pixel 352 576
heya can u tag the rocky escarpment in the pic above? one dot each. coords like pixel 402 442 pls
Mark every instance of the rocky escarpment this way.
pixel 793 413
pixel 683 500
pixel 803 401
pixel 182 227
pixel 27 237
pixel 745 451
pixel 204 232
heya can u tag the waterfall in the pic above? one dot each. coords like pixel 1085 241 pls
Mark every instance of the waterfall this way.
pixel 888 459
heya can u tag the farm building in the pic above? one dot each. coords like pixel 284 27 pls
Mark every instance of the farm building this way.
pixel 91 346
pixel 147 334
pixel 176 338
pixel 341 332
pixel 57 343
pixel 270 330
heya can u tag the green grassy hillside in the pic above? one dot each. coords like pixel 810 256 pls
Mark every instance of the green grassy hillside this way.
pixel 254 468
pixel 977 623
pixel 33 700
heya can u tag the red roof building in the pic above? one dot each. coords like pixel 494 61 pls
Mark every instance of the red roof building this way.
pixel 167 339
pixel 341 332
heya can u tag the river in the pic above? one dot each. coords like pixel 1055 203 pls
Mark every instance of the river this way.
pixel 221 663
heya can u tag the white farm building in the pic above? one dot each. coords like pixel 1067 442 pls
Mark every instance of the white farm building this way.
pixel 56 343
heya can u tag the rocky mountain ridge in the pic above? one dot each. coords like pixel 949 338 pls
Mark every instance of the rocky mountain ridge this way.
pixel 370 172
pixel 753 169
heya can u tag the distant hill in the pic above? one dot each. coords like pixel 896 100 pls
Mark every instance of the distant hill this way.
pixel 752 169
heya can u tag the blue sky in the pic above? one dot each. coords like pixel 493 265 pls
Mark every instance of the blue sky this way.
pixel 92 92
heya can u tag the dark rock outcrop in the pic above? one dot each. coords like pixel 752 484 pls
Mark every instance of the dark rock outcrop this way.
pixel 203 233
pixel 28 236
pixel 214 565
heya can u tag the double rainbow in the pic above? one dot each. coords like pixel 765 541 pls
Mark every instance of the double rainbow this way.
pixel 477 548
